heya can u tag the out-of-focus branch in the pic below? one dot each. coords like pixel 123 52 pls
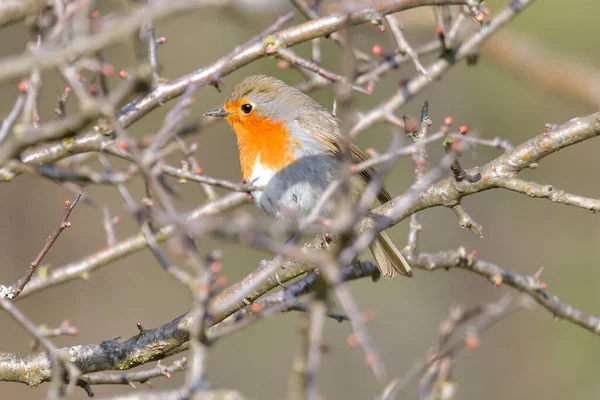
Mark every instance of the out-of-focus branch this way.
pixel 285 38
pixel 171 338
pixel 439 67
pixel 529 285
pixel 403 46
pixel 180 394
pixel 150 345
pixel 311 13
pixel 217 314
pixel 12 11
pixel 420 159
pixel 437 367
pixel 239 57
pixel 23 136
pixel 124 247
pixel 110 32
pixel 10 120
pixel 526 57
pixel 446 193
pixel 64 329
pixel 198 177
pixel 292 58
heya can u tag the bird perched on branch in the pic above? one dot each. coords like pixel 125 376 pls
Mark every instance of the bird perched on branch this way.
pixel 292 146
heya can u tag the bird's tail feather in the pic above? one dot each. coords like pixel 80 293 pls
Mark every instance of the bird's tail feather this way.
pixel 389 259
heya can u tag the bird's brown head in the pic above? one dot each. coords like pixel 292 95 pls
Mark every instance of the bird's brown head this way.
pixel 258 110
pixel 258 97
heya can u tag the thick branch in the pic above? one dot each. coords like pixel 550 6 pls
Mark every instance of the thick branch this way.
pixel 252 51
pixel 438 68
pixel 446 193
pixel 497 275
pixel 494 174
pixel 155 344
pixel 286 38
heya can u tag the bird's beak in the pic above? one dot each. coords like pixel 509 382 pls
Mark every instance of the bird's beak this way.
pixel 219 112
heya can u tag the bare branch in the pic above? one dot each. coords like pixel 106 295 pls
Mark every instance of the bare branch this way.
pixel 54 354
pixel 125 247
pixel 549 192
pixel 12 11
pixel 127 378
pixel 149 345
pixel 439 67
pixel 465 220
pixel 490 314
pixel 13 291
pixel 498 276
pixel 524 56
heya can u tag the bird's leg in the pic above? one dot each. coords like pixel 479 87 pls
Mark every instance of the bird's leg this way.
pixel 356 264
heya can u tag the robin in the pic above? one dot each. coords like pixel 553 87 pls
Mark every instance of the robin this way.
pixel 291 146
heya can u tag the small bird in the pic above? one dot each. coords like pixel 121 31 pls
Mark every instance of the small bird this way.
pixel 292 146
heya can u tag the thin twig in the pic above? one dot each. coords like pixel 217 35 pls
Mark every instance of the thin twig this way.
pixel 13 291
pixel 465 220
pixel 192 176
pixel 403 46
pixel 128 378
pixel 439 67
pixel 64 329
pixel 54 368
pixel 12 117
pixel 495 312
pixel 292 58
pixel 420 159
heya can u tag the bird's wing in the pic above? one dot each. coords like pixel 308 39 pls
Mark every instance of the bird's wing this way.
pixel 327 130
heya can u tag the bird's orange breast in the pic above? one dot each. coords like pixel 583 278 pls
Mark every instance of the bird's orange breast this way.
pixel 261 136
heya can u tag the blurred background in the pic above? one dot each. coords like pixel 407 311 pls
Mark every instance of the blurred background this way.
pixel 528 356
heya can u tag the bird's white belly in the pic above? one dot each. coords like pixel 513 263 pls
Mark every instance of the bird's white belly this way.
pixel 260 177
pixel 294 190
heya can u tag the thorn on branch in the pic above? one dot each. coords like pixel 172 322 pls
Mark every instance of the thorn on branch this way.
pixel 141 327
pixel 292 58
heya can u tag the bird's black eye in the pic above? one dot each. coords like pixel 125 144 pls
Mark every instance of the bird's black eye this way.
pixel 246 108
